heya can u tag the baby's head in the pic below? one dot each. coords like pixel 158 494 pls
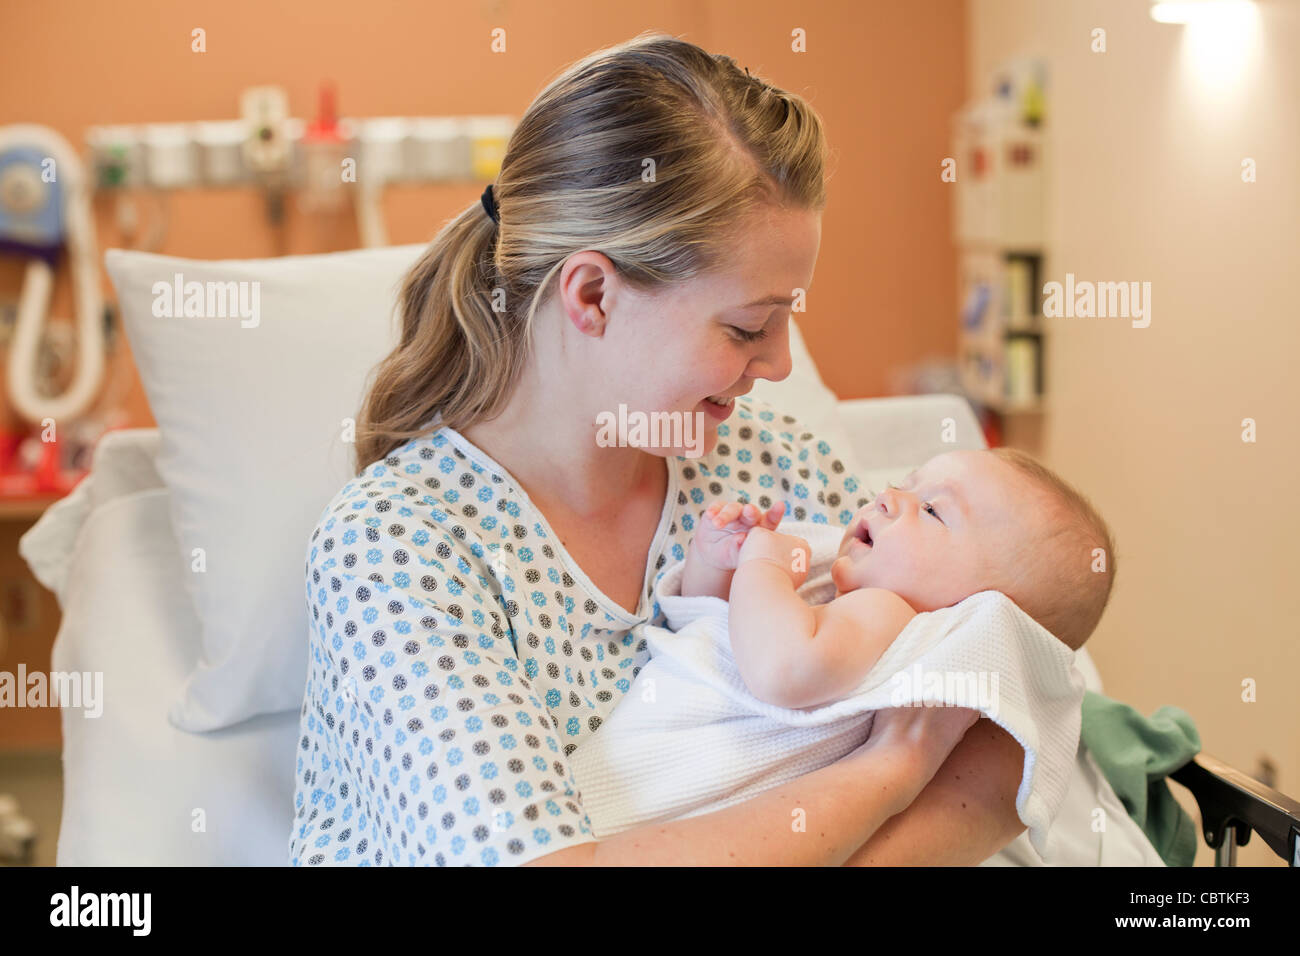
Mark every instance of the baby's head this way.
pixel 969 521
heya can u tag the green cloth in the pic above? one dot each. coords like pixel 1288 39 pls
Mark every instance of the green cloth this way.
pixel 1136 753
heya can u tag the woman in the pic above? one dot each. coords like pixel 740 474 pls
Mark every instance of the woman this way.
pixel 478 591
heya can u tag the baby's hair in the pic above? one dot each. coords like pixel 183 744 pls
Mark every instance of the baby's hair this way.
pixel 1071 582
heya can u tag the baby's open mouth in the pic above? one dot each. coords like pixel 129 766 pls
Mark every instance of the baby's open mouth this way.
pixel 863 533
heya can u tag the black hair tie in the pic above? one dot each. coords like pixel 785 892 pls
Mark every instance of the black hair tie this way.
pixel 490 204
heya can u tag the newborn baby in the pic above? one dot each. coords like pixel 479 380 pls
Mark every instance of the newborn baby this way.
pixel 964 522
pixel 957 575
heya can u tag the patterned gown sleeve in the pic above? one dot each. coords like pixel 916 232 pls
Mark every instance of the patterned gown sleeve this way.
pixel 423 741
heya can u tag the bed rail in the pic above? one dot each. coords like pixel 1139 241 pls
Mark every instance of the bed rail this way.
pixel 1233 804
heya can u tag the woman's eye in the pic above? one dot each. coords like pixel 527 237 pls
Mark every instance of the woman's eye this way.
pixel 747 336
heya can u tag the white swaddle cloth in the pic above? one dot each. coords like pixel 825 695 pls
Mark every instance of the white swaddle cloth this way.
pixel 688 737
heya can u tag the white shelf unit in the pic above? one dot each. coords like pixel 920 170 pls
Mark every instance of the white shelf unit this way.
pixel 1001 154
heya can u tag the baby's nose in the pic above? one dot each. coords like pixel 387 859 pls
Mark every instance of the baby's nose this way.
pixel 889 502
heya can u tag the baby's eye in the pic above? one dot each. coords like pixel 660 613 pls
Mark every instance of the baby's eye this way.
pixel 930 508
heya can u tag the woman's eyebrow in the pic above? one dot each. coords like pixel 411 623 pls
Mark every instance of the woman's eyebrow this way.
pixel 769 300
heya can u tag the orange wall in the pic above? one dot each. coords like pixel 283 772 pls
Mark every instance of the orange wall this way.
pixel 885 77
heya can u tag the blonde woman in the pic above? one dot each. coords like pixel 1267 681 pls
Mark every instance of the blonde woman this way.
pixel 477 591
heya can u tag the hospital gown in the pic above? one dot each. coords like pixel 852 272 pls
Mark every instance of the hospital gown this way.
pixel 458 655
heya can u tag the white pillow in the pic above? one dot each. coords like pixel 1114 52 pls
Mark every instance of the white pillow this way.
pixel 251 448
pixel 251 451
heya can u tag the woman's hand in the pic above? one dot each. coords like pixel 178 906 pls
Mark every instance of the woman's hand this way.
pixel 914 741
pixel 724 527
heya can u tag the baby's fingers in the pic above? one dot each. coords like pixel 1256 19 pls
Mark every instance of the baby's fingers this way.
pixel 726 514
pixel 773 516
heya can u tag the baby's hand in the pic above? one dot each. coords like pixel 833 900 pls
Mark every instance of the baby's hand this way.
pixel 723 528
pixel 789 551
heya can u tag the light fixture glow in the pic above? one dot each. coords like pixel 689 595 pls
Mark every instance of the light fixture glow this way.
pixel 1218 42
pixel 1201 11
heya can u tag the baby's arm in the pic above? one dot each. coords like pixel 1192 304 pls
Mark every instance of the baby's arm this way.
pixel 795 655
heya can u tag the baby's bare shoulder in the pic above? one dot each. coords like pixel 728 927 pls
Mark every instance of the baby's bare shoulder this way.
pixel 873 608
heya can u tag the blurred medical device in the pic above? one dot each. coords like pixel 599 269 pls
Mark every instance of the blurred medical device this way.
pixel 45 213
pixel 56 369
pixel 326 161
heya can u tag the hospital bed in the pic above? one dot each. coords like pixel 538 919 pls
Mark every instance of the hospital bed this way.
pixel 139 789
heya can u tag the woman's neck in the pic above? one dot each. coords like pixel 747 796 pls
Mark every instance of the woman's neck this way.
pixel 550 447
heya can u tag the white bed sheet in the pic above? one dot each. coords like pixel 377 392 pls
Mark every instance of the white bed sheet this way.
pixel 137 791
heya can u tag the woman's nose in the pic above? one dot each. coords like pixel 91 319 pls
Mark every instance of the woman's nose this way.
pixel 774 363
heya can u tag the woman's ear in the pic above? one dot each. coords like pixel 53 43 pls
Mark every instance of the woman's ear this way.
pixel 586 284
pixel 589 320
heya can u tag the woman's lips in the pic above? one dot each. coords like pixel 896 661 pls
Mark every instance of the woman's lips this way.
pixel 717 412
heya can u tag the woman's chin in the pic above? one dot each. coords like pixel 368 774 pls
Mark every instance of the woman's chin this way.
pixel 703 443
pixel 697 445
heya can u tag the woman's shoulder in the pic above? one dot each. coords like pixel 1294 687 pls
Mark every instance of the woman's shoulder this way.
pixel 427 496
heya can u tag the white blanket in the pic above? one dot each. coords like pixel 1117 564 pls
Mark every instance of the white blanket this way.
pixel 688 737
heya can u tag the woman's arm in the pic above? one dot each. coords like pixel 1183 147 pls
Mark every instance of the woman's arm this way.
pixel 815 820
pixel 840 813
pixel 964 815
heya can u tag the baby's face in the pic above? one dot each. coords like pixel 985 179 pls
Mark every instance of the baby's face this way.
pixel 942 534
